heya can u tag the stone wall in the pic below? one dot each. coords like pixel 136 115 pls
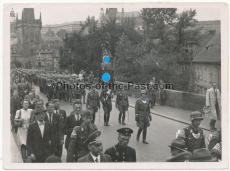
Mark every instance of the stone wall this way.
pixel 178 99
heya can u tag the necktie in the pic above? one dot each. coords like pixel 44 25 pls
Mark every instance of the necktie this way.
pixel 77 117
pixel 41 123
pixel 96 160
pixel 50 117
pixel 56 111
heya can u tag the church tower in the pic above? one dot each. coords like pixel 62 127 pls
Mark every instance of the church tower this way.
pixel 28 33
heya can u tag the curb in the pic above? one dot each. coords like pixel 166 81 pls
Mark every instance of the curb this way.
pixel 174 119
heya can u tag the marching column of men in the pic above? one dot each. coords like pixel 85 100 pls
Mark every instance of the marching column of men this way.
pixel 47 127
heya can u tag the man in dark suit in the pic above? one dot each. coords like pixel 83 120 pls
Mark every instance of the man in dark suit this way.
pixel 122 152
pixel 55 121
pixel 96 148
pixel 15 104
pixel 38 104
pixel 74 119
pixel 62 115
pixel 39 138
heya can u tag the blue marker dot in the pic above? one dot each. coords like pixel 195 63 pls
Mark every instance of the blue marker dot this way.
pixel 106 77
pixel 106 59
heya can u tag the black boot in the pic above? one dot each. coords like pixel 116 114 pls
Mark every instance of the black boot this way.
pixel 144 136
pixel 123 119
pixel 139 133
pixel 119 119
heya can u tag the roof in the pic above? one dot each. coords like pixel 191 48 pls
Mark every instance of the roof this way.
pixel 63 24
pixel 211 52
pixel 28 14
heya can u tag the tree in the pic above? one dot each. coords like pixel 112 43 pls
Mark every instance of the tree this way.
pixel 184 20
pixel 155 20
pixel 61 33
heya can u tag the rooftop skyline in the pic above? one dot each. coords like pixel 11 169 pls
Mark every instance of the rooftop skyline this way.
pixel 57 14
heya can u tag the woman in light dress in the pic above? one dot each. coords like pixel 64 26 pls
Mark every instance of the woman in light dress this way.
pixel 22 131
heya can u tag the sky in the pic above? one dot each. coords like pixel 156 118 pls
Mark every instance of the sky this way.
pixel 62 13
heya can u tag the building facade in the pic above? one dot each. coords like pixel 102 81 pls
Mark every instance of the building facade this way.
pixel 207 65
pixel 28 31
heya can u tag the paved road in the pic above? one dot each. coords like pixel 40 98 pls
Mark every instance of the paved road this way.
pixel 159 135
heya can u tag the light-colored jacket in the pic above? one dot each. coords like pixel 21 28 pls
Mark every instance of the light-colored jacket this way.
pixel 210 101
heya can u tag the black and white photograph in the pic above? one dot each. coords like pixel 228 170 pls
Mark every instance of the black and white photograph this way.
pixel 115 86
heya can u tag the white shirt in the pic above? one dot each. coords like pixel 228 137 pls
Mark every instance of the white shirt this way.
pixel 79 117
pixel 57 112
pixel 48 115
pixel 94 158
pixel 41 127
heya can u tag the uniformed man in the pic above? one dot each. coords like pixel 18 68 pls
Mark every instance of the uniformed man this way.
pixel 121 152
pixel 178 151
pixel 22 89
pixel 122 103
pixel 50 90
pixel 77 93
pixel 215 144
pixel 105 97
pixel 193 135
pixel 93 100
pixel 77 147
pixel 96 150
pixel 153 93
pixel 143 116
pixel 91 78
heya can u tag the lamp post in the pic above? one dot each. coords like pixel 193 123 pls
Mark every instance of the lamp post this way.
pixel 191 48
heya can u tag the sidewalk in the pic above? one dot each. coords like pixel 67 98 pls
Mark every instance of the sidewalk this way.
pixel 176 114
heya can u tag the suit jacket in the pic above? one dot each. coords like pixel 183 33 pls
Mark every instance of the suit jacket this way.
pixel 62 116
pixel 126 154
pixel 70 123
pixel 15 104
pixel 89 159
pixel 36 144
pixel 211 99
pixel 106 98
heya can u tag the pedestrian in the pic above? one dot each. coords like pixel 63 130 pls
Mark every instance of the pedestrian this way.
pixel 77 148
pixel 15 104
pixel 106 100
pixel 22 89
pixel 153 92
pixel 121 152
pixel 55 121
pixel 73 120
pixel 91 78
pixel 202 155
pixel 178 151
pixel 39 139
pixel 23 115
pixel 62 115
pixel 95 147
pixel 93 100
pixel 122 103
pixel 193 135
pixel 162 93
pixel 143 116
pixel 213 101
pixel 38 104
pixel 49 90
pixel 215 144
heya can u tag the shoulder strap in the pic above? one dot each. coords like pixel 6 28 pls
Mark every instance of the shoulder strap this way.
pixel 116 150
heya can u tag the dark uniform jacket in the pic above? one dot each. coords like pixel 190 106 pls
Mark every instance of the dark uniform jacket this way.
pixel 122 98
pixel 143 111
pixel 193 140
pixel 70 123
pixel 106 98
pixel 77 147
pixel 89 159
pixel 36 144
pixel 121 154
pixel 93 99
